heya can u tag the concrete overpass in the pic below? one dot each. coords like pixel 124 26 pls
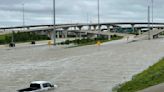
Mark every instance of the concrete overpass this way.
pixel 78 27
pixel 114 24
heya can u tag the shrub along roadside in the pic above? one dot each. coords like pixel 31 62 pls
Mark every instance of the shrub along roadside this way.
pixel 2 39
pixel 88 41
pixel 152 76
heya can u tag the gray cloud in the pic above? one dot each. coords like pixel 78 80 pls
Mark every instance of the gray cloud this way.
pixel 40 11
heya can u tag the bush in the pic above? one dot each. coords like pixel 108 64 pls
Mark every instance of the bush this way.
pixel 32 42
pixel 67 42
pixel 12 44
pixel 90 41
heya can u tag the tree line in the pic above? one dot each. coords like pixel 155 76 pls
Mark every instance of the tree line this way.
pixel 22 37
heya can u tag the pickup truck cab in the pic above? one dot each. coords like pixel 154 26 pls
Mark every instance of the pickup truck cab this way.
pixel 39 86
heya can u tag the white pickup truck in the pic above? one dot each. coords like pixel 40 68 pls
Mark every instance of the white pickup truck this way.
pixel 39 86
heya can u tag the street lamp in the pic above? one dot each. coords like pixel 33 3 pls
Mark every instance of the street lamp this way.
pixel 54 21
pixel 149 22
pixel 98 15
pixel 23 15
pixel 152 1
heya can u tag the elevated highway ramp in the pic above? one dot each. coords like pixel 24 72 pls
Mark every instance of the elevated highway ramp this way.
pixel 149 35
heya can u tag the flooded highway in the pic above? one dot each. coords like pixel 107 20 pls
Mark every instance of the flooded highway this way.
pixel 81 69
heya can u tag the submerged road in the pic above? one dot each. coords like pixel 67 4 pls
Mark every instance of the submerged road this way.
pixel 80 69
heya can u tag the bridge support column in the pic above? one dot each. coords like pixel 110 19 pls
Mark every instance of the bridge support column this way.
pixel 99 28
pixel 64 34
pixel 94 27
pixel 74 28
pixel 80 28
pixel 108 28
pixel 139 32
pixel 133 29
pixel 114 29
pixel 89 28
pixel 52 35
pixel 28 28
pixel 58 34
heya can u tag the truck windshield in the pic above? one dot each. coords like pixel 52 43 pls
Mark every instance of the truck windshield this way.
pixel 35 86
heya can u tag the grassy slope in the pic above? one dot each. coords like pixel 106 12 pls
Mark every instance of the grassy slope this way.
pixel 152 76
pixel 2 37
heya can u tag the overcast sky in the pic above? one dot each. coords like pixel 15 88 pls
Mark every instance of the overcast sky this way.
pixel 76 11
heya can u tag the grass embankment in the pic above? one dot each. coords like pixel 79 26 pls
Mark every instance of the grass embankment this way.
pixel 152 76
pixel 83 42
pixel 2 39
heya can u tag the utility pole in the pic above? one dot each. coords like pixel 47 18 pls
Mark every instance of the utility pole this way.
pixel 54 20
pixel 149 22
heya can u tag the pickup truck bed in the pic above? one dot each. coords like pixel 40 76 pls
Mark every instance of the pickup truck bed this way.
pixel 27 89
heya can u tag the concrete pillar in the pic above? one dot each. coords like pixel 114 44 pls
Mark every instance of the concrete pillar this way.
pixel 99 27
pixel 94 27
pixel 108 28
pixel 139 31
pixel 64 34
pixel 51 35
pixel 133 30
pixel 58 34
pixel 114 29
pixel 89 28
pixel 28 28
pixel 99 30
pixel 74 28
pixel 80 28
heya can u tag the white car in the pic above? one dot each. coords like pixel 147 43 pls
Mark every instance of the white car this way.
pixel 39 86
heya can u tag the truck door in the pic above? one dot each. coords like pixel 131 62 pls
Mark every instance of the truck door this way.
pixel 47 86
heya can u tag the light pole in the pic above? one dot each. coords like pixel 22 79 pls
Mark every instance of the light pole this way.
pixel 54 21
pixel 149 22
pixel 23 15
pixel 87 18
pixel 152 1
pixel 98 16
